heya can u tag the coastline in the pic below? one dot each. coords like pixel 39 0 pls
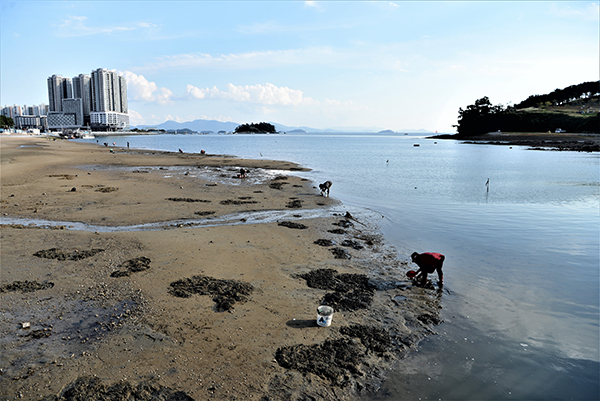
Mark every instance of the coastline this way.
pixel 108 309
pixel 536 140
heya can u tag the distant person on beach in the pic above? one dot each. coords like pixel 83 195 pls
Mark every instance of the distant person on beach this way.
pixel 325 187
pixel 243 173
pixel 428 262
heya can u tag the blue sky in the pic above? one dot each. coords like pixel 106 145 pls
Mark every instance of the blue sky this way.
pixel 394 65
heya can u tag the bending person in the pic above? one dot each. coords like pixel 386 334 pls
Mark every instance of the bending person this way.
pixel 428 262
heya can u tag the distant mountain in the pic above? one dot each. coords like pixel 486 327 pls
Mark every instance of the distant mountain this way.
pixel 196 125
pixel 285 128
pixel 215 126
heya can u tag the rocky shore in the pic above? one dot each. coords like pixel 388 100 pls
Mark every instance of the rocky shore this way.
pixel 140 275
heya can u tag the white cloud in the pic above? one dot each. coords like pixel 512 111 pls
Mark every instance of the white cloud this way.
pixel 76 26
pixel 249 60
pixel 312 4
pixel 197 93
pixel 140 89
pixel 177 119
pixel 135 118
pixel 267 94
pixel 394 5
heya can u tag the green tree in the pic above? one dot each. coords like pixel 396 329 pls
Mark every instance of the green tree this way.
pixel 6 122
pixel 475 119
pixel 557 97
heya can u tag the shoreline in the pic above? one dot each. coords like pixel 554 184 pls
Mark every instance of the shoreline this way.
pixel 135 308
pixel 535 140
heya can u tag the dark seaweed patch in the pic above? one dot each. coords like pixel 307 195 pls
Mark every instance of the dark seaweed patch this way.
pixel 64 176
pixel 192 200
pixel 291 224
pixel 376 339
pixel 340 253
pixel 204 213
pixel 107 189
pixel 351 291
pixel 330 279
pixel 55 253
pixel 295 204
pixel 92 389
pixel 132 266
pixel 225 293
pixel 236 202
pixel 277 185
pixel 349 301
pixel 25 286
pixel 333 360
pixel 324 242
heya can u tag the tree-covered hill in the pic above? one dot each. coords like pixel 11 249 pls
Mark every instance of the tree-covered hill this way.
pixel 569 95
pixel 573 109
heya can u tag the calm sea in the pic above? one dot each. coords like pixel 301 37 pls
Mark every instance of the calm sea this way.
pixel 521 314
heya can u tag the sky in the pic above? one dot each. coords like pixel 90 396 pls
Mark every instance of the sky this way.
pixel 396 65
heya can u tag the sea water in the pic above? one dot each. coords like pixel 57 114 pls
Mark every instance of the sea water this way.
pixel 520 230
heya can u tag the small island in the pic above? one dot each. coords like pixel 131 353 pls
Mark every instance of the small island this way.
pixel 253 128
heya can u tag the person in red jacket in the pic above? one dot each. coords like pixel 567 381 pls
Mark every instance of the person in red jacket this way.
pixel 428 262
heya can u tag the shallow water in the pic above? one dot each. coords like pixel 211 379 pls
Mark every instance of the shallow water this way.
pixel 522 258
pixel 269 216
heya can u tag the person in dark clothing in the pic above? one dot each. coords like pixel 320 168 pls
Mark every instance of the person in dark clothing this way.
pixel 428 262
pixel 243 173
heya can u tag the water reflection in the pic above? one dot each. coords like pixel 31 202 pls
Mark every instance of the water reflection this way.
pixel 464 363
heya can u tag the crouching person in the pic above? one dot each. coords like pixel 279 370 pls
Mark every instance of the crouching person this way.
pixel 428 262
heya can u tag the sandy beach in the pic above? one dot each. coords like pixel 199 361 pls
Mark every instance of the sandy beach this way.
pixel 184 286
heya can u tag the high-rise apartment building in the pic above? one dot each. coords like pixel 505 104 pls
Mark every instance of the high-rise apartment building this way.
pixel 59 88
pixel 109 91
pixel 82 90
pixel 103 98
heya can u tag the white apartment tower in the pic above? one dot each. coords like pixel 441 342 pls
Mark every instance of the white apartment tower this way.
pixel 103 102
pixel 109 91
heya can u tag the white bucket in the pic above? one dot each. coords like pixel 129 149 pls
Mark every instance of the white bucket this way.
pixel 324 315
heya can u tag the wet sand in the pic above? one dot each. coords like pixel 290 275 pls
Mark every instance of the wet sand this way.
pixel 185 310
